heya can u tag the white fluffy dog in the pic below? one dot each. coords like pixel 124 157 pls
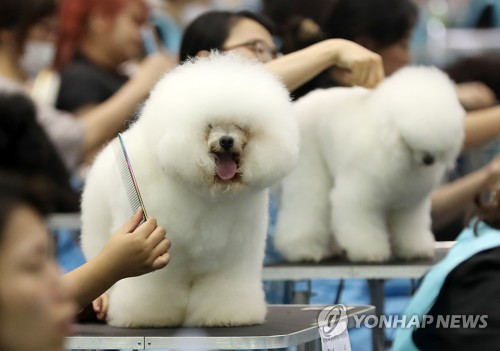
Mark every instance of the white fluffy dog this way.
pixel 368 162
pixel 214 134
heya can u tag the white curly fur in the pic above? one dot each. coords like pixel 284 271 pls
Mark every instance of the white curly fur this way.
pixel 361 174
pixel 217 228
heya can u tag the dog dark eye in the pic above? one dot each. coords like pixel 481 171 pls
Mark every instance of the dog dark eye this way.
pixel 210 126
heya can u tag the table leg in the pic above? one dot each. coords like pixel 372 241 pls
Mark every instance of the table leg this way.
pixel 376 287
pixel 302 297
pixel 314 345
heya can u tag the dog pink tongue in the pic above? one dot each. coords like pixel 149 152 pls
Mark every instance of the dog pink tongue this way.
pixel 226 167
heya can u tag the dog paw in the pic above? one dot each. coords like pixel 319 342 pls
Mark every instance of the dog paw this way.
pixel 307 252
pixel 372 255
pixel 230 321
pixel 415 246
pixel 135 322
pixel 224 316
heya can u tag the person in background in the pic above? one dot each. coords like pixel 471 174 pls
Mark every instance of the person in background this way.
pixel 298 23
pixel 484 69
pixel 389 34
pixel 95 39
pixel 465 284
pixel 21 21
pixel 27 150
pixel 35 300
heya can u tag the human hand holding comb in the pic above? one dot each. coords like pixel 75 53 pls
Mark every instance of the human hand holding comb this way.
pixel 132 250
pixel 136 248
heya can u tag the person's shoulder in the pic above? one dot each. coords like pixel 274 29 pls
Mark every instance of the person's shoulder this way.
pixel 476 277
pixel 484 261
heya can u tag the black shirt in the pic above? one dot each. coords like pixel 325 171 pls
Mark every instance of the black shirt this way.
pixel 84 83
pixel 472 288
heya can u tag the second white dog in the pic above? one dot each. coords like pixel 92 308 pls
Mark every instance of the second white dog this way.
pixel 368 162
pixel 212 137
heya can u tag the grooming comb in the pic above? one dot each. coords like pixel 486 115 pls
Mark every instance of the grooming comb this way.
pixel 128 177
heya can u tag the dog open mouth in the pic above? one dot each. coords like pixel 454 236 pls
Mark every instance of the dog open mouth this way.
pixel 226 165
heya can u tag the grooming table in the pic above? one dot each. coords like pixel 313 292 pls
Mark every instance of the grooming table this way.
pixel 285 326
pixel 342 268
pixel 375 273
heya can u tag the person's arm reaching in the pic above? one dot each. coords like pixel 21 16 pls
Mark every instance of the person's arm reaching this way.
pixel 103 122
pixel 451 201
pixel 356 65
pixel 481 126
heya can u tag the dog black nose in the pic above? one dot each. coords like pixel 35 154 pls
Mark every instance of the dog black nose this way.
pixel 428 159
pixel 226 142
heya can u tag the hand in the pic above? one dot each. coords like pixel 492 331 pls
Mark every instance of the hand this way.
pixel 308 30
pixel 152 69
pixel 100 306
pixel 135 250
pixel 475 95
pixel 355 65
pixel 492 170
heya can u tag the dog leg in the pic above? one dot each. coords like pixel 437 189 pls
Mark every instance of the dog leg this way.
pixel 215 303
pixel 157 299
pixel 303 231
pixel 359 228
pixel 410 232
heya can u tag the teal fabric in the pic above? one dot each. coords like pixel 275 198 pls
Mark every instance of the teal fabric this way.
pixel 467 246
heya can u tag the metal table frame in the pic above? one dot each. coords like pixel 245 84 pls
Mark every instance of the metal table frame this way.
pixel 94 336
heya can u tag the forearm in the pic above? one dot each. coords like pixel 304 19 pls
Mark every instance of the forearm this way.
pixel 299 67
pixel 450 201
pixel 105 121
pixel 481 126
pixel 90 280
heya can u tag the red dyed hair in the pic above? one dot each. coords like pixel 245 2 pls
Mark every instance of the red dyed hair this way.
pixel 73 17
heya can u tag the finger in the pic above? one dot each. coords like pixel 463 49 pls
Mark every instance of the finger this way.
pixel 374 77
pixel 364 69
pixel 380 73
pixel 101 316
pixel 356 73
pixel 161 248
pixel 133 222
pixel 156 236
pixel 377 74
pixel 146 228
pixel 343 76
pixel 96 305
pixel 105 305
pixel 366 77
pixel 161 261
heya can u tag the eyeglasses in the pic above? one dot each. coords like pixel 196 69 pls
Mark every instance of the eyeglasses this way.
pixel 263 51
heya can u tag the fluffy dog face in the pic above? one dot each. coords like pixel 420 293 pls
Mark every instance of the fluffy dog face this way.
pixel 426 158
pixel 226 142
pixel 222 126
pixel 430 121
